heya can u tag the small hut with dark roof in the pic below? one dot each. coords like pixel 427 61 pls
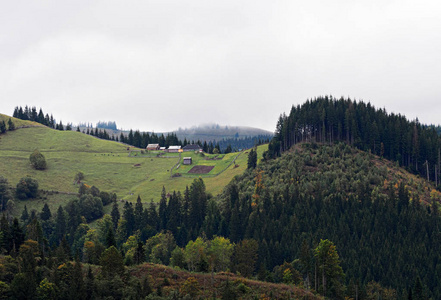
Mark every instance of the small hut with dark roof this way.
pixel 192 147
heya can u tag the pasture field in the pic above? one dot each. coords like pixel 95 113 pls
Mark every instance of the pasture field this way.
pixel 105 164
pixel 19 123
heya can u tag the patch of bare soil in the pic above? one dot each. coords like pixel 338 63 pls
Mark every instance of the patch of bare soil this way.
pixel 201 169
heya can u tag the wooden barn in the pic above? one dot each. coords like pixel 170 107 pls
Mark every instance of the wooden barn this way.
pixel 152 147
pixel 187 161
pixel 192 147
pixel 174 149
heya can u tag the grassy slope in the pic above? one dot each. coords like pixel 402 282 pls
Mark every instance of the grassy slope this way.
pixel 19 123
pixel 105 164
pixel 253 288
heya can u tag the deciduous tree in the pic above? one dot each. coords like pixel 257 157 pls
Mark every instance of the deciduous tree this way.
pixel 37 160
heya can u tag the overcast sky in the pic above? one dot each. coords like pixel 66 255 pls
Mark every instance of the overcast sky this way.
pixel 160 65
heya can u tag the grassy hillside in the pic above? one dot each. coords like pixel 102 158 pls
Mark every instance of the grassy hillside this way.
pixel 105 164
pixel 244 288
pixel 19 123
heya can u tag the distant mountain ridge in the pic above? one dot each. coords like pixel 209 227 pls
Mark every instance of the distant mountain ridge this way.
pixel 211 132
pixel 206 132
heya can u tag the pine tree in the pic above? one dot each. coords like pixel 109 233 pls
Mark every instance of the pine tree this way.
pixel 329 269
pixel 2 126
pixel 252 159
pixel 60 225
pixel 11 125
pixel 112 263
pixel 174 213
pixel 139 222
pixel 45 213
pixel 110 238
pixel 24 215
pixel 89 285
pixel 115 214
pixel 129 216
pixel 153 219
pixel 163 209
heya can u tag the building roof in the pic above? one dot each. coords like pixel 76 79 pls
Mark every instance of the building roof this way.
pixel 174 147
pixel 187 158
pixel 192 147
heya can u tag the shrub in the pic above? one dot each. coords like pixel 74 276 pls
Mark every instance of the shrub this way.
pixel 27 188
pixel 37 160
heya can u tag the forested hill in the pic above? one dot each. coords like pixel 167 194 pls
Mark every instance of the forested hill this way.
pixel 326 119
pixel 367 206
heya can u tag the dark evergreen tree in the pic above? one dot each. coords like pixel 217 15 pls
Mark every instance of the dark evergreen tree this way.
pixel 2 126
pixel 60 225
pixel 139 214
pixel 110 238
pixel 24 215
pixel 163 209
pixel 153 219
pixel 11 125
pixel 45 213
pixel 129 216
pixel 173 213
pixel 115 214
pixel 252 159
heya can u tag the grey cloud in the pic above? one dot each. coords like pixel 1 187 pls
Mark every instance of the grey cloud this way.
pixel 160 65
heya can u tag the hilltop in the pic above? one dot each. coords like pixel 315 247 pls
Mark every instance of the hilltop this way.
pixel 380 216
pixel 19 123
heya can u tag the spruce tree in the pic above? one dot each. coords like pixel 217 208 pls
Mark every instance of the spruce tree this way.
pixel 24 215
pixel 163 209
pixel 129 217
pixel 11 125
pixel 139 224
pixel 45 213
pixel 115 214
pixel 2 126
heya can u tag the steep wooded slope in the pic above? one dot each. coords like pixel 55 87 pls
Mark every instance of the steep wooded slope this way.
pixel 371 209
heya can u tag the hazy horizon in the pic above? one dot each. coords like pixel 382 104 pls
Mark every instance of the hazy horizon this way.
pixel 161 65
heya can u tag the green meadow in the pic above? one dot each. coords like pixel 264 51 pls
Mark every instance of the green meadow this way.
pixel 106 165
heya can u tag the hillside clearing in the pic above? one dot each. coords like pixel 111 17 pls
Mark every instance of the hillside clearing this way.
pixel 105 164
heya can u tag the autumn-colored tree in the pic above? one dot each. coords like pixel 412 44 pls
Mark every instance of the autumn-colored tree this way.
pixel 375 291
pixel 190 287
pixel 47 290
pixel 4 290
